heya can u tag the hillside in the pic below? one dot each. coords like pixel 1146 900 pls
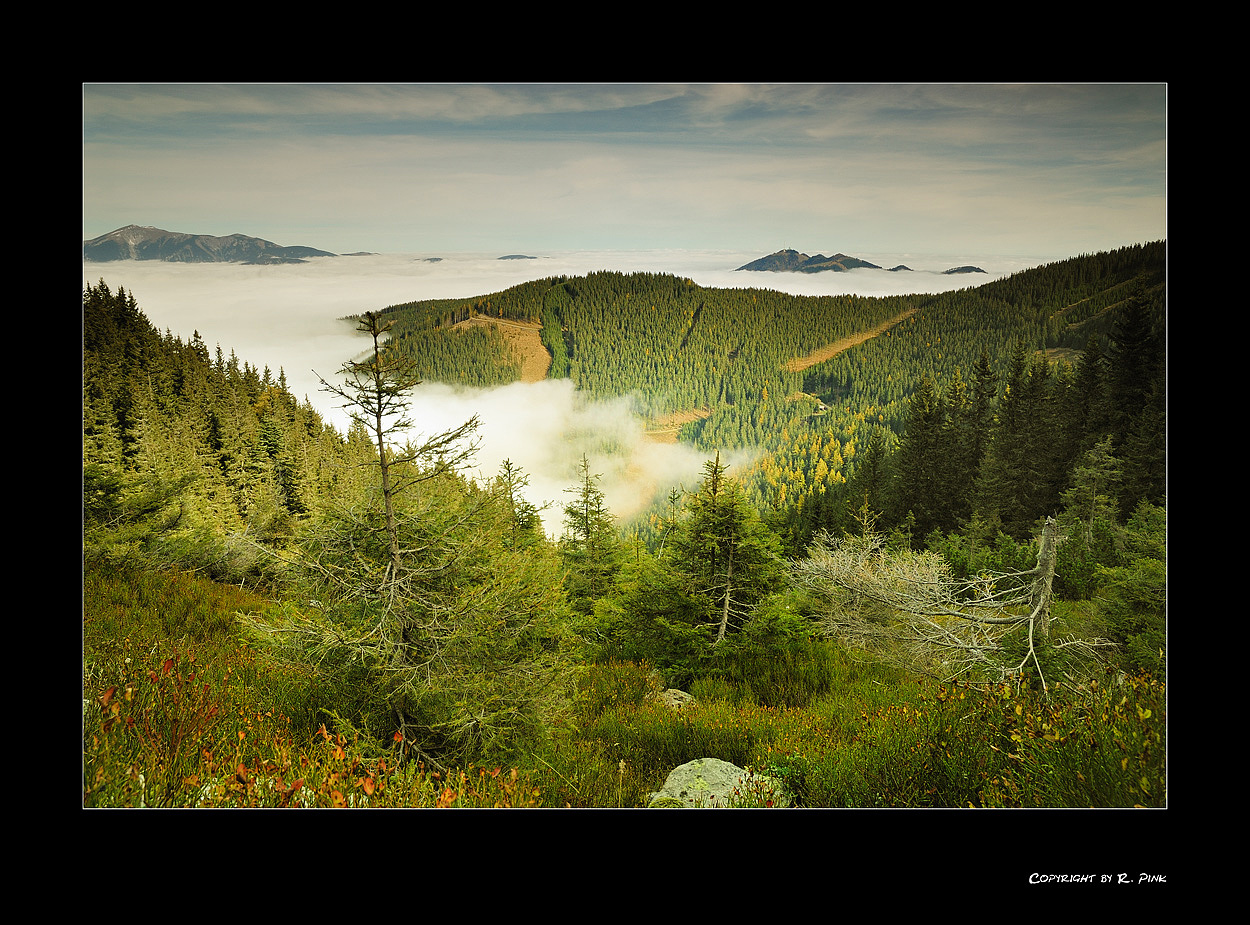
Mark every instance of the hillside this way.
pixel 829 351
pixel 724 362
pixel 525 341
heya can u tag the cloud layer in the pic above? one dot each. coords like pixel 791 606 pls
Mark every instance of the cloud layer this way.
pixel 397 168
pixel 546 428
pixel 288 318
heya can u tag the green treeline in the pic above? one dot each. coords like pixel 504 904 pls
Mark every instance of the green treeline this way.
pixel 219 444
pixel 1002 448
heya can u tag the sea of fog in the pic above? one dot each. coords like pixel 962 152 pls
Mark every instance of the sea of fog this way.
pixel 288 317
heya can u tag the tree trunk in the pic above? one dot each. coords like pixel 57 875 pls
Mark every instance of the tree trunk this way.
pixel 392 529
pixel 729 587
pixel 1039 602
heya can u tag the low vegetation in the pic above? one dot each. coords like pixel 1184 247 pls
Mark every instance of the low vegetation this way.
pixel 180 710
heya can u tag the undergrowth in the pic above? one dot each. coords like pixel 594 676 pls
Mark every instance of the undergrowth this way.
pixel 179 710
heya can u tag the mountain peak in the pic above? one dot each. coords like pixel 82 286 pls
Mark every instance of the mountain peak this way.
pixel 145 242
pixel 792 261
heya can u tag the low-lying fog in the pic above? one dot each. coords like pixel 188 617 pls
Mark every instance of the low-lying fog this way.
pixel 287 317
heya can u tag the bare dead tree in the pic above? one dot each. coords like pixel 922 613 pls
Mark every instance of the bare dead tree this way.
pixel 907 606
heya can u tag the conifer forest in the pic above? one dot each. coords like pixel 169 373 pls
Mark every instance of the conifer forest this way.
pixel 924 564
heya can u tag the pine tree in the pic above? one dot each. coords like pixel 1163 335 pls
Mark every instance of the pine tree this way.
pixel 869 482
pixel 455 626
pixel 524 520
pixel 377 395
pixel 1135 362
pixel 1017 483
pixel 728 559
pixel 590 547
pixel 1138 394
pixel 921 482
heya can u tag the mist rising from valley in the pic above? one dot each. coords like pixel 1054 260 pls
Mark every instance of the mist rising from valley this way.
pixel 288 317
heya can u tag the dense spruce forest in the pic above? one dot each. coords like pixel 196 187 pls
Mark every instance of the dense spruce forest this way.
pixel 1080 337
pixel 954 517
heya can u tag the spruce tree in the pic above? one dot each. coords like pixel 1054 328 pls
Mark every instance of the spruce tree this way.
pixel 1017 483
pixel 377 395
pixel 728 559
pixel 920 477
pixel 590 546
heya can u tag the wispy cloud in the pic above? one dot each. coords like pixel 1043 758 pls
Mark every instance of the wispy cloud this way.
pixel 410 167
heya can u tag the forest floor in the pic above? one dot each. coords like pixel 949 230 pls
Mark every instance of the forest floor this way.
pixel 829 351
pixel 526 342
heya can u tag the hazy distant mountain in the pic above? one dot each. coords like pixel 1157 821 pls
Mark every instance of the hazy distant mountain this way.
pixel 963 270
pixel 142 242
pixel 517 257
pixel 791 261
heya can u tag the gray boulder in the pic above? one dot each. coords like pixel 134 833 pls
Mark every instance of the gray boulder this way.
pixel 712 783
pixel 672 698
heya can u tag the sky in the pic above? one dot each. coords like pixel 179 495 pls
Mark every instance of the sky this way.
pixel 1048 170
pixel 689 179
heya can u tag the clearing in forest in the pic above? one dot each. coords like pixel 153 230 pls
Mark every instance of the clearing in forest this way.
pixel 829 351
pixel 525 340
pixel 666 428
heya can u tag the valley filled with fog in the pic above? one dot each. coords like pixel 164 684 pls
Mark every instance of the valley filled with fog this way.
pixel 289 317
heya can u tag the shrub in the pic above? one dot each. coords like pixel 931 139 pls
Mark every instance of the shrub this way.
pixel 143 738
pixel 913 753
pixel 792 676
pixel 1133 596
pixel 601 687
pixel 1105 745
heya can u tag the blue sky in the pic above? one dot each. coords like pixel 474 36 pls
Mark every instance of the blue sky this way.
pixel 1051 170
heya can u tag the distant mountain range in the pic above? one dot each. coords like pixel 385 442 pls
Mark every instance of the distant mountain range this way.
pixel 142 242
pixel 791 261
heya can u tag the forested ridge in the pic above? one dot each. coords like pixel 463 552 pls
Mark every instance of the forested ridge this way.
pixel 676 346
pixel 974 497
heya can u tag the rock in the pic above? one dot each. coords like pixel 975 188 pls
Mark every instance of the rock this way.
pixel 672 698
pixel 710 782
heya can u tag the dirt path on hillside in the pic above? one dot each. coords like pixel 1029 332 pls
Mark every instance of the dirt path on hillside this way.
pixel 665 429
pixel 830 351
pixel 525 340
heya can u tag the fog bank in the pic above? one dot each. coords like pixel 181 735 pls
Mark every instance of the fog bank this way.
pixel 288 317
pixel 546 428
